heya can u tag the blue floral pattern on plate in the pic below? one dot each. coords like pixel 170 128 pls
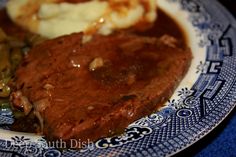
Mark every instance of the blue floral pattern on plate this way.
pixel 185 119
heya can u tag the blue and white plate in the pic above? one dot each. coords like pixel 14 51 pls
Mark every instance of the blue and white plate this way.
pixel 203 99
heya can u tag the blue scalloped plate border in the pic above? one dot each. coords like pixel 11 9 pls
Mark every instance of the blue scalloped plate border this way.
pixel 183 121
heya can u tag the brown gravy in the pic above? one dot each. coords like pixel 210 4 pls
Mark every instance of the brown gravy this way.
pixel 163 25
pixel 10 28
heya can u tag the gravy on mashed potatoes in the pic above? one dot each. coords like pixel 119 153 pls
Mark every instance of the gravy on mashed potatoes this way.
pixel 53 18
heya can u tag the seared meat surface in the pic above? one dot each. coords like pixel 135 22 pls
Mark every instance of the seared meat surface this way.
pixel 95 89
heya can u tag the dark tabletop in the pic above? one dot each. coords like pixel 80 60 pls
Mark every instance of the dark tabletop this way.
pixel 221 142
pixel 230 5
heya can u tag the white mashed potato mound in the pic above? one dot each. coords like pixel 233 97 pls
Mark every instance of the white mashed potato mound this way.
pixel 53 18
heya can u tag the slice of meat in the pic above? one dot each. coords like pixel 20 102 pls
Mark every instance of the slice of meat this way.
pixel 95 89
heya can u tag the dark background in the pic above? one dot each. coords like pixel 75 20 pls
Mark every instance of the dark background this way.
pixel 221 142
pixel 230 5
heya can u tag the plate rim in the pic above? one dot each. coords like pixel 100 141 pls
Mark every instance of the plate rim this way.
pixel 233 21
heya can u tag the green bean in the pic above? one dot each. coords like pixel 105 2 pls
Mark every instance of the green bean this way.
pixel 11 54
pixel 4 88
pixel 5 65
pixel 16 57
pixel 4 104
pixel 5 91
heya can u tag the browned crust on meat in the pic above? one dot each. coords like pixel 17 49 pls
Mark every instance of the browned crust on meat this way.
pixel 116 103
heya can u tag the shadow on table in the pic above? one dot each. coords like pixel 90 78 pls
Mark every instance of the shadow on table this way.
pixel 202 144
pixel 230 5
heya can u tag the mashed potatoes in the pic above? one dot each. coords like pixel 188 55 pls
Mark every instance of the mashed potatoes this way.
pixel 53 18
